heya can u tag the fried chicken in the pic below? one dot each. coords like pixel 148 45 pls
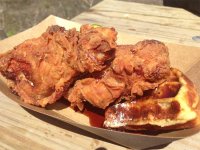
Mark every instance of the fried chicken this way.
pixel 135 69
pixel 42 69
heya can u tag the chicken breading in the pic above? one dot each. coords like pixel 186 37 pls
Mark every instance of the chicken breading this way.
pixel 43 68
pixel 135 69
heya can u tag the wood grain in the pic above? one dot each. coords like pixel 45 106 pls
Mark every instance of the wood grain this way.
pixel 23 129
pixel 167 24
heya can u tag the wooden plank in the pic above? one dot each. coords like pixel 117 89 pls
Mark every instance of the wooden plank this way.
pixel 155 22
pixel 20 129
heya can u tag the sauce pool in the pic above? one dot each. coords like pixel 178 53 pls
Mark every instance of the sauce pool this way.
pixel 95 115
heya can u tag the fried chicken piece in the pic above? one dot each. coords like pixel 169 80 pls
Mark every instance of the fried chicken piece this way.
pixel 43 68
pixel 95 46
pixel 135 69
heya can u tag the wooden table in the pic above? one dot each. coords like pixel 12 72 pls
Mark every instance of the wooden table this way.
pixel 24 129
pixel 163 23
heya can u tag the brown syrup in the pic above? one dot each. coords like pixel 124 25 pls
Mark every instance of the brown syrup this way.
pixel 95 115
pixel 96 118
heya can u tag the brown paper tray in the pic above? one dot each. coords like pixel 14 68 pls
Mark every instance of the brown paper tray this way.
pixel 186 58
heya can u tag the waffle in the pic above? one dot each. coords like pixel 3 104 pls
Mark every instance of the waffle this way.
pixel 173 105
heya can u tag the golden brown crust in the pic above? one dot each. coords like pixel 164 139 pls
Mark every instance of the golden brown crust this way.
pixel 190 124
pixel 43 68
pixel 134 70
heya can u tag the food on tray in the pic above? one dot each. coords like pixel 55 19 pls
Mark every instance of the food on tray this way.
pixel 133 84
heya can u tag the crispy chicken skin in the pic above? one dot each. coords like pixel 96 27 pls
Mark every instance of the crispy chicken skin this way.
pixel 95 46
pixel 135 69
pixel 41 69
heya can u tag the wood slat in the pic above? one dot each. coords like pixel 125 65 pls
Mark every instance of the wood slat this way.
pixel 21 130
pixel 163 23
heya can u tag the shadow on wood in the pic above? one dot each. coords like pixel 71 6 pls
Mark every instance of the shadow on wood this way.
pixel 191 5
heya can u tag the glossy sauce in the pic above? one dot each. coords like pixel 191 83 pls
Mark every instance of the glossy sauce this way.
pixel 95 115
